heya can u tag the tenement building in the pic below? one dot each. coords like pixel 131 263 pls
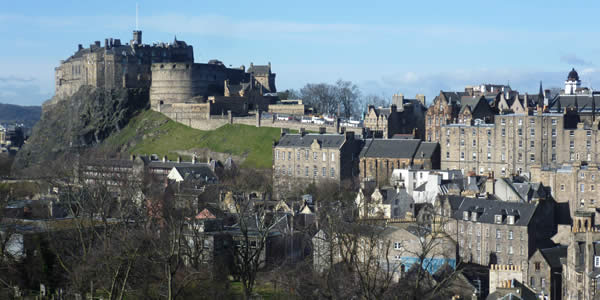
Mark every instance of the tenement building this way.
pixel 499 232
pixel 379 157
pixel 302 159
pixel 581 270
pixel 404 116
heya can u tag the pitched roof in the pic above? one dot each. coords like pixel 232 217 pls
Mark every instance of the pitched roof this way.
pixel 426 149
pixel 487 209
pixel 391 148
pixel 553 255
pixel 197 172
pixel 325 140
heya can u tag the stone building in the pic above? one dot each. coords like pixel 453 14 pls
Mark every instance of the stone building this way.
pixel 516 142
pixel 404 116
pixel 498 232
pixel 581 269
pixel 545 269
pixel 444 110
pixel 302 159
pixel 379 157
pixel 117 65
pixel 575 185
pixel 289 107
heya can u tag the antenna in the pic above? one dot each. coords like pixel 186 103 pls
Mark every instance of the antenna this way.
pixel 136 16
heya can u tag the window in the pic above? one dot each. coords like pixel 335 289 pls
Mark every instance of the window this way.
pixel 532 282
pixel 553 131
pixel 538 266
pixel 324 172
pixel 553 143
pixel 582 187
pixel 462 142
pixel 462 156
pixel 297 155
pixel 474 156
pixel 461 228
pixel 489 143
pixel 553 121
pixel 332 157
pixel 298 170
pixel 571 144
pixel 332 172
pixel 543 282
pixel 502 157
pixel 315 171
pixel 510 249
pixel 503 121
pixel 315 154
pixel 532 157
pixel 520 122
pixel 510 234
pixel 582 175
pixel 324 158
pixel 474 143
pixel 447 132
pixel 498 234
pixel 306 171
pixel 532 132
pixel 520 131
pixel 532 121
pixel 289 155
pixel 503 131
pixel 571 133
pixel 306 155
pixel 597 261
pixel 448 142
pixel 532 144
pixel 511 221
pixel 290 170
pixel 498 248
pixel 498 219
pixel 276 154
pixel 489 156
pixel 562 187
pixel 397 245
pixel 447 154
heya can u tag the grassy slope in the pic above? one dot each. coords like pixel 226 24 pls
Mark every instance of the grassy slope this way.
pixel 164 137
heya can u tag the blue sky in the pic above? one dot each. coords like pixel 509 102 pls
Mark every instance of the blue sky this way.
pixel 384 46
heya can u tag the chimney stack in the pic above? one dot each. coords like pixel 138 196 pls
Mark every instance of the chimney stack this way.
pixel 194 159
pixel 302 131
pixel 164 158
pixel 179 159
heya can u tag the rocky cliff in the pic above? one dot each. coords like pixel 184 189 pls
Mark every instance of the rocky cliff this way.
pixel 77 122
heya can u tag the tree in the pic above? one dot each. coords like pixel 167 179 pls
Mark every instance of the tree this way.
pixel 341 98
pixel 347 96
pixel 255 226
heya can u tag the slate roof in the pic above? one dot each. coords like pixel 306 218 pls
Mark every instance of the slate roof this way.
pixel 426 149
pixel 197 172
pixel 553 255
pixel 326 140
pixel 390 148
pixel 585 102
pixel 487 209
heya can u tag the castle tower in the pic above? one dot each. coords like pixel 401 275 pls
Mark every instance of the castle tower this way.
pixel 137 37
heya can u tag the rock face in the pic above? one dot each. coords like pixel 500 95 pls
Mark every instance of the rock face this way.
pixel 82 120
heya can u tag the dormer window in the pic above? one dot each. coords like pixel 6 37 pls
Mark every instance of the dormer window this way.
pixel 511 220
pixel 498 219
pixel 596 261
pixel 466 215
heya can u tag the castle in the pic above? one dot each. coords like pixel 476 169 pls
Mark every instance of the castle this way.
pixel 169 72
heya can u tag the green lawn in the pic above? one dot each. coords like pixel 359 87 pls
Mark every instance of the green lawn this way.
pixel 164 136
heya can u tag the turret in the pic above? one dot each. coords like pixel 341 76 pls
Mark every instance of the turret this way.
pixel 137 37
